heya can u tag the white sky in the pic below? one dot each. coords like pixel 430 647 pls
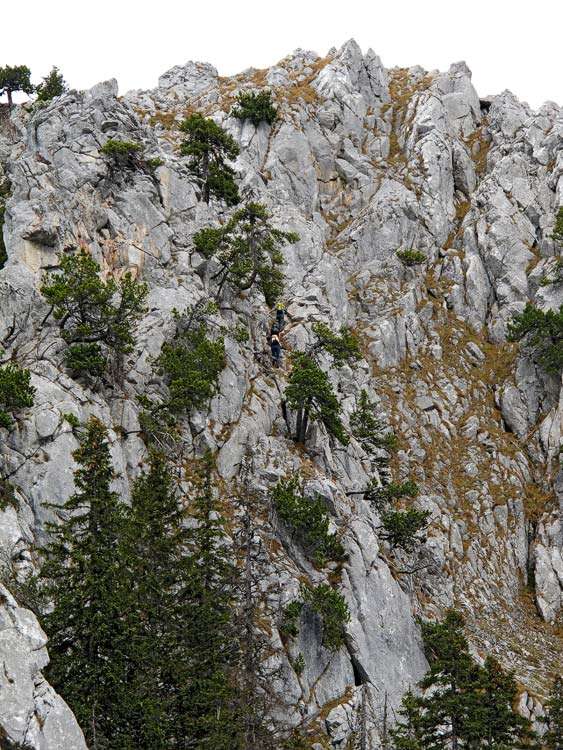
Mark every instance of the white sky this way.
pixel 512 44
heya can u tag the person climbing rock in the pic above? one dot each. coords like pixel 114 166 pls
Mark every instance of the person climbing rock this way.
pixel 275 344
pixel 280 315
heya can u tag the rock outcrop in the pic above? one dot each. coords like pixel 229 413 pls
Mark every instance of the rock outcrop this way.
pixel 361 162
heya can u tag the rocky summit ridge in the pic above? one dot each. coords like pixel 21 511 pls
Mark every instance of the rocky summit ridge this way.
pixel 362 161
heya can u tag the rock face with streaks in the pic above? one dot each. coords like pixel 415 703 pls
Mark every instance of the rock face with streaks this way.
pixel 361 162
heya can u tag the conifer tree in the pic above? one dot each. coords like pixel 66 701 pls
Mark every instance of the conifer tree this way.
pixel 496 724
pixel 370 430
pixel 256 700
pixel 208 147
pixel 15 78
pixel 155 560
pixel 88 633
pixel 247 249
pixel 454 676
pixel 343 346
pixel 190 364
pixel 96 317
pixel 53 85
pixel 205 707
pixel 310 394
pixel 256 106
pixel 16 392
pixel 553 738
pixel 542 333
pixel 409 732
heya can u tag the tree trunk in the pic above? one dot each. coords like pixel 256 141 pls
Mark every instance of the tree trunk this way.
pixel 9 93
pixel 298 422
pixel 304 424
pixel 205 171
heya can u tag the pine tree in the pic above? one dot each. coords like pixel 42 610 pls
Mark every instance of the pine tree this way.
pixel 209 146
pixel 190 364
pixel 370 430
pixel 409 732
pixel 155 560
pixel 256 106
pixel 207 653
pixel 53 85
pixel 450 709
pixel 496 725
pixel 310 394
pixel 15 78
pixel 553 738
pixel 247 249
pixel 16 392
pixel 96 317
pixel 255 678
pixel 343 347
pixel 88 633
pixel 542 333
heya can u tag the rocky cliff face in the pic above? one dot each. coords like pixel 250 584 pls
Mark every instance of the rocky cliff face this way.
pixel 361 162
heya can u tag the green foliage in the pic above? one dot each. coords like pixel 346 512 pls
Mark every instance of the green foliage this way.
pixel 72 420
pixel 343 346
pixel 290 620
pixel 85 583
pixel 369 430
pixel 247 249
pixel 409 732
pixel 308 519
pixel 256 106
pixel 557 235
pixel 154 163
pixel 16 392
pixel 208 146
pixel 556 276
pixel 241 334
pixel 553 738
pixel 116 149
pixel 466 706
pixel 310 394
pixel 411 257
pixel 15 78
pixel 53 85
pixel 333 611
pixel 97 318
pixel 7 495
pixel 3 253
pixel 206 710
pixel 299 664
pixel 402 526
pixel 542 333
pixel 382 495
pixel 191 364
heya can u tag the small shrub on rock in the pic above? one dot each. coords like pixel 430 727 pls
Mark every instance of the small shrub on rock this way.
pixel 369 430
pixel 16 392
pixel 411 257
pixel 331 607
pixel 343 346
pixel 289 626
pixel 308 519
pixel 542 334
pixel 256 106
pixel 401 527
